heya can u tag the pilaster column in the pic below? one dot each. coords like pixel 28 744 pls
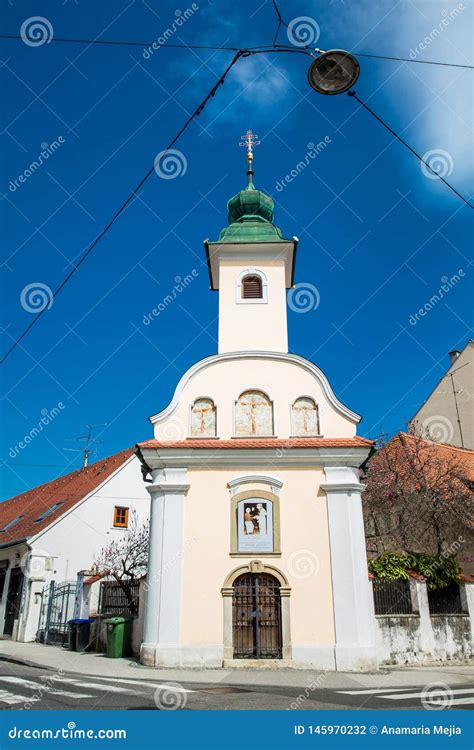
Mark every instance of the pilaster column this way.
pixel 161 645
pixel 355 646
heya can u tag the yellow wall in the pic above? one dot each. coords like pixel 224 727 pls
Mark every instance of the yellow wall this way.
pixel 207 562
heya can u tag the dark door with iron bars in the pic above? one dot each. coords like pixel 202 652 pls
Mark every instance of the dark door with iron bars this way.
pixel 256 617
pixel 12 604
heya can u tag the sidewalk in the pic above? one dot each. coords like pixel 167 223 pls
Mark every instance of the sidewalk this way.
pixel 98 665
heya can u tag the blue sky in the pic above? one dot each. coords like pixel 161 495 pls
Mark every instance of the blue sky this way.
pixel 377 236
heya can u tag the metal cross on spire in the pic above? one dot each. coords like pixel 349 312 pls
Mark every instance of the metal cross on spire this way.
pixel 249 141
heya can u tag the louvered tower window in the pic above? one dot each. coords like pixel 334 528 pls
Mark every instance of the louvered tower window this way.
pixel 252 287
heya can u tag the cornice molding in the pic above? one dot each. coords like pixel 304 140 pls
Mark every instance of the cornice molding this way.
pixel 294 359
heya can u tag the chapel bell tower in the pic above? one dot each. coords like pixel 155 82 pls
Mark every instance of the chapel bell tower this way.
pixel 251 265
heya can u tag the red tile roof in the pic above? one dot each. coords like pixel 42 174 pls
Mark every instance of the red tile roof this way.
pixel 67 490
pixel 240 443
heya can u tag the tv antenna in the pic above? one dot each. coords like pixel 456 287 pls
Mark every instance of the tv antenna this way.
pixel 88 441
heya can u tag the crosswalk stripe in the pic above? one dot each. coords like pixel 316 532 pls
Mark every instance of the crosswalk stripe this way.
pixel 155 685
pixel 12 698
pixel 96 686
pixel 433 696
pixel 38 686
pixel 373 691
pixel 462 702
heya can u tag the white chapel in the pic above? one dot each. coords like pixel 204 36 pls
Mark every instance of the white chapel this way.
pixel 257 548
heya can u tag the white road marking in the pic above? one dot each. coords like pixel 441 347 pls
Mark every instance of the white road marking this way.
pixel 11 698
pixel 96 686
pixel 154 685
pixel 46 690
pixel 373 691
pixel 462 702
pixel 432 696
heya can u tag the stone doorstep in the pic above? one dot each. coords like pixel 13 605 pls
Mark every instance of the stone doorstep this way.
pixel 257 664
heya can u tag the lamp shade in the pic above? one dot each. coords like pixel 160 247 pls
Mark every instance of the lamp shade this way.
pixel 333 72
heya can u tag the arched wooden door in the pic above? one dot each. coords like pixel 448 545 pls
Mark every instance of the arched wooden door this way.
pixel 256 617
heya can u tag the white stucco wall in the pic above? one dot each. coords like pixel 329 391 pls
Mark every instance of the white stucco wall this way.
pixel 75 539
pixel 223 380
pixel 245 324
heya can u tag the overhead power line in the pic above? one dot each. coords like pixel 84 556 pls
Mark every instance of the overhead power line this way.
pixel 262 48
pixel 239 54
pixel 407 145
pixel 127 202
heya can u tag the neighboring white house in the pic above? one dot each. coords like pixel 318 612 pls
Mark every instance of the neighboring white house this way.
pixel 52 532
pixel 447 415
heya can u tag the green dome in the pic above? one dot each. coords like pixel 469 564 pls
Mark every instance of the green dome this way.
pixel 250 205
pixel 250 218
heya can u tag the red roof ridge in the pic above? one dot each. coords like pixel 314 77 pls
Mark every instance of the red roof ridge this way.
pixel 434 442
pixel 260 442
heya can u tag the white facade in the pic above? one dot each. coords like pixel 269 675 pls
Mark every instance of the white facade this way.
pixel 246 491
pixel 71 543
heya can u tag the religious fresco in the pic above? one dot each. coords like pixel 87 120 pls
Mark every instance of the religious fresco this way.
pixel 305 417
pixel 203 418
pixel 253 414
pixel 255 525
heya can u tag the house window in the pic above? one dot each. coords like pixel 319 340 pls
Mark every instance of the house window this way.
pixel 253 415
pixel 305 417
pixel 120 517
pixel 252 287
pixel 203 418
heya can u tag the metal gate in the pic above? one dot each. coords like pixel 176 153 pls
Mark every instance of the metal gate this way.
pixel 57 608
pixel 256 617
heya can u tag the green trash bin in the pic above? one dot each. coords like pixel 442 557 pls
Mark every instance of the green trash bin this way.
pixel 119 636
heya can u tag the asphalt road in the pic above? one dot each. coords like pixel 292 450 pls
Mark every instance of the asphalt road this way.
pixel 31 688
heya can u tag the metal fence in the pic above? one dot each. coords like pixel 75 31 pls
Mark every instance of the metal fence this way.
pixel 57 608
pixel 113 600
pixel 445 601
pixel 392 597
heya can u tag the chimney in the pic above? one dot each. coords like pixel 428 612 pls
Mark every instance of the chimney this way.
pixel 453 355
